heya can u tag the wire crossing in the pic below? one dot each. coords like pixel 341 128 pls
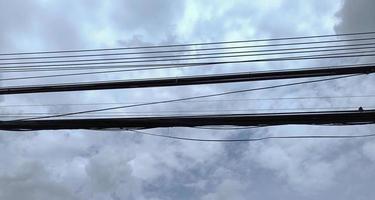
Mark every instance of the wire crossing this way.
pixel 338 47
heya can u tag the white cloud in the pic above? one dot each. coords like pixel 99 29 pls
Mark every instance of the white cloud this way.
pixel 228 189
pixel 369 150
pixel 121 165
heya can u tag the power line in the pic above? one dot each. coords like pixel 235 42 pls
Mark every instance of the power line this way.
pixel 256 139
pixel 184 45
pixel 197 55
pixel 261 119
pixel 197 64
pixel 128 70
pixel 163 113
pixel 185 98
pixel 189 80
pixel 142 62
pixel 195 101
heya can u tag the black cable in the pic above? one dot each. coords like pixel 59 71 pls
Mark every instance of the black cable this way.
pixel 190 102
pixel 127 70
pixel 231 128
pixel 180 65
pixel 188 98
pixel 257 139
pixel 80 74
pixel 188 57
pixel 204 111
pixel 228 128
pixel 187 80
pixel 238 140
pixel 145 62
pixel 184 45
pixel 177 112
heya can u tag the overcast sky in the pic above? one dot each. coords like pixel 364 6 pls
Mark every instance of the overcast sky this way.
pixel 123 165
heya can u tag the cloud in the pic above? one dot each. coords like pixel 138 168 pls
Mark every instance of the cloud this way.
pixel 368 150
pixel 124 165
pixel 32 26
pixel 356 16
pixel 30 180
pixel 228 189
pixel 157 17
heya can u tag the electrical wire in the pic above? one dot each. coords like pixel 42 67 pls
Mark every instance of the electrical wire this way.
pixel 228 128
pixel 197 55
pixel 188 59
pixel 240 140
pixel 174 112
pixel 197 64
pixel 127 70
pixel 188 98
pixel 191 102
pixel 233 77
pixel 184 45
pixel 255 139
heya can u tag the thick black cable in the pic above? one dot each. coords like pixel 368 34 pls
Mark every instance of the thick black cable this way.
pixel 184 45
pixel 187 98
pixel 187 80
pixel 333 118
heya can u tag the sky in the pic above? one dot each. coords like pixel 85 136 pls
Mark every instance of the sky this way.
pixel 81 164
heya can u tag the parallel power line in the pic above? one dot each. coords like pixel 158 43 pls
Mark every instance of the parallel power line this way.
pixel 269 119
pixel 249 51
pixel 162 58
pixel 120 64
pixel 191 80
pixel 49 63
pixel 131 70
pixel 187 45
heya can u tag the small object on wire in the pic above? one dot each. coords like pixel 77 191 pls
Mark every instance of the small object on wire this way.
pixel 360 109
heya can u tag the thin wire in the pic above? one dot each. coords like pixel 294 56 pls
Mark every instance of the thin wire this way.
pixel 171 56
pixel 197 55
pixel 228 128
pixel 220 128
pixel 256 139
pixel 201 111
pixel 200 101
pixel 184 45
pixel 174 78
pixel 181 65
pixel 188 98
pixel 187 59
pixel 127 70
